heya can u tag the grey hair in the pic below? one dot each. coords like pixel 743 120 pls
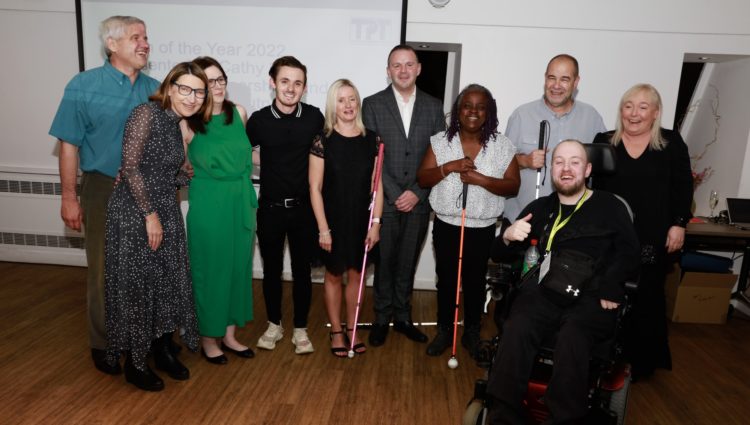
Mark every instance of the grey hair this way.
pixel 114 27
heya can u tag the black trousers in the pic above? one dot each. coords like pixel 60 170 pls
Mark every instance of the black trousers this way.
pixel 275 226
pixel 477 244
pixel 533 317
pixel 401 239
pixel 646 341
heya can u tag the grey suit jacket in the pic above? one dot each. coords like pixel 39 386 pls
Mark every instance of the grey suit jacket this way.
pixel 403 154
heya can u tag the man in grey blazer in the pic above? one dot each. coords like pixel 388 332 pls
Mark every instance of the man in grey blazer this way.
pixel 405 118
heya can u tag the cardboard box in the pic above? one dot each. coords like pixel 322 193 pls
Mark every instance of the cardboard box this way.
pixel 694 297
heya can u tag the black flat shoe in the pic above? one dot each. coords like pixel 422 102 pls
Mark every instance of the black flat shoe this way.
pixel 220 359
pixel 411 331
pixel 247 354
pixel 146 379
pixel 378 334
pixel 100 362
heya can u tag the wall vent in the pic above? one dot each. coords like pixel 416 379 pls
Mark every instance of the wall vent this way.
pixel 30 187
pixel 52 241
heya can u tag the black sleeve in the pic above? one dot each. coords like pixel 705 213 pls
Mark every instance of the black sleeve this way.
pixel 252 124
pixel 624 258
pixel 681 179
pixel 137 134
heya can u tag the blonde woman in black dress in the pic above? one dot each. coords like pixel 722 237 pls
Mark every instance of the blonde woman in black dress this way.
pixel 342 164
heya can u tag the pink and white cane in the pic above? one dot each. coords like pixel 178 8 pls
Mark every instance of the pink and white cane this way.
pixel 378 169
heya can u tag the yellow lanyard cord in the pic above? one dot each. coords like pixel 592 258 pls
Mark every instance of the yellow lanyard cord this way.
pixel 558 225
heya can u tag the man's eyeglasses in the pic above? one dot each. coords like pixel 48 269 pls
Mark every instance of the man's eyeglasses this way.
pixel 187 90
pixel 212 82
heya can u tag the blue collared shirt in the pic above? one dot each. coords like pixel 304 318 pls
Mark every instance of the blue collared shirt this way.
pixel 93 111
pixel 581 123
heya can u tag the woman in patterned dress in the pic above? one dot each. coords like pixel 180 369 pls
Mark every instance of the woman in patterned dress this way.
pixel 470 152
pixel 148 291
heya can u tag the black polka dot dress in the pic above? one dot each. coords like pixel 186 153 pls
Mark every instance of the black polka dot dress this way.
pixel 147 293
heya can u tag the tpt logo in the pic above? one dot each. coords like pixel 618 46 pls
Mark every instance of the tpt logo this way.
pixel 369 29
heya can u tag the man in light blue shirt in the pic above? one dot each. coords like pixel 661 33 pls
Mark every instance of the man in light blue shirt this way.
pixel 89 125
pixel 568 119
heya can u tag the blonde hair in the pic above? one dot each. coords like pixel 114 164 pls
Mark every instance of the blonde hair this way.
pixel 656 142
pixel 330 115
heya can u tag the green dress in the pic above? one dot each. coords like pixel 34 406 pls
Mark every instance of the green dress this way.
pixel 221 225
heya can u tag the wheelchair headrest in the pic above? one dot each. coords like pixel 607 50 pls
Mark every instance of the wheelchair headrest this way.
pixel 602 158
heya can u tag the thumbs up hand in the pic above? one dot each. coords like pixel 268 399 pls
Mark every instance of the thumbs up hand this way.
pixel 518 231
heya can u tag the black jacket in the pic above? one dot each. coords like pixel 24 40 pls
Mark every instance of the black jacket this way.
pixel 601 228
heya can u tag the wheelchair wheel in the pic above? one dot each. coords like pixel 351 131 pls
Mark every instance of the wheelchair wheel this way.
pixel 475 413
pixel 618 401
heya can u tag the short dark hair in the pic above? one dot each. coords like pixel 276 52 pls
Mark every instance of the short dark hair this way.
pixel 565 56
pixel 227 107
pixel 289 61
pixel 402 47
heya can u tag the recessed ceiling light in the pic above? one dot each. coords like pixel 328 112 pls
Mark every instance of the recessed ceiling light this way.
pixel 704 58
pixel 424 46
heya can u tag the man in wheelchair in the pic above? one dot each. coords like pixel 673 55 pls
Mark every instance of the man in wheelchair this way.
pixel 589 248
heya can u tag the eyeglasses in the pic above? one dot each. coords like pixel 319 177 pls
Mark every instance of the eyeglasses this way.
pixel 187 91
pixel 212 82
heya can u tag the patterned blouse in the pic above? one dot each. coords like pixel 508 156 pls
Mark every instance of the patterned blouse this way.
pixel 482 207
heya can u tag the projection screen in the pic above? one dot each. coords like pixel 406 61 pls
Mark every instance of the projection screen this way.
pixel 333 38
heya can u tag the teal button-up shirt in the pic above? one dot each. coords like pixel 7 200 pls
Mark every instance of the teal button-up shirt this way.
pixel 93 111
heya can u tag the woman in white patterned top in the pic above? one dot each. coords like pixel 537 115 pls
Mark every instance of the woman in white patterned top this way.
pixel 470 152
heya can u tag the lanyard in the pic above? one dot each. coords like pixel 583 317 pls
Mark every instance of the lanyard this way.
pixel 559 225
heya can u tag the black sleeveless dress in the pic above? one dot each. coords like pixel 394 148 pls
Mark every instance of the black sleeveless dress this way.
pixel 349 163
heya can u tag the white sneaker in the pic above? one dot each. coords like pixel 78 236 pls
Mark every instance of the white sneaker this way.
pixel 274 333
pixel 302 344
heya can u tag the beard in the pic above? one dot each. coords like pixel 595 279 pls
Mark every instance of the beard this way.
pixel 570 190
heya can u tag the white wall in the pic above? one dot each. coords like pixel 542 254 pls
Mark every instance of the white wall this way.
pixel 38 44
pixel 506 44
pixel 719 130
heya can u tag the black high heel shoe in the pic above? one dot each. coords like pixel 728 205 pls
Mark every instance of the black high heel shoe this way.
pixel 338 351
pixel 360 347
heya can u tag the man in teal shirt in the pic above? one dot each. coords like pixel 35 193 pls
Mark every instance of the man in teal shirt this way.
pixel 89 125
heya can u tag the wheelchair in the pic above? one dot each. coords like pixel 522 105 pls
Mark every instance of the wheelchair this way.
pixel 609 373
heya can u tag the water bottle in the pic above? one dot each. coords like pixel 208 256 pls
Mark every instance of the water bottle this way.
pixel 531 257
